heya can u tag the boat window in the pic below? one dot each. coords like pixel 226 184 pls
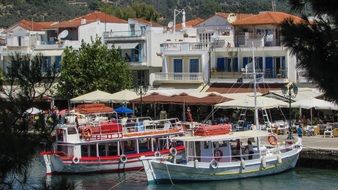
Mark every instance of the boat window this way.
pixel 129 147
pixel 71 131
pixel 112 149
pixel 144 144
pixel 63 149
pixel 84 150
pixel 102 150
pixel 92 150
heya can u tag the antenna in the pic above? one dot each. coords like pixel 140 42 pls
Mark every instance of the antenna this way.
pixel 273 4
pixel 63 34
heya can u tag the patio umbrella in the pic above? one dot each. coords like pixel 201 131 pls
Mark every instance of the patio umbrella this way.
pixel 33 111
pixel 124 110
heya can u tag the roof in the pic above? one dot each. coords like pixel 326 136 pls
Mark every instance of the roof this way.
pixel 34 26
pixel 248 102
pixel 268 18
pixel 147 22
pixel 230 136
pixel 189 23
pixel 90 17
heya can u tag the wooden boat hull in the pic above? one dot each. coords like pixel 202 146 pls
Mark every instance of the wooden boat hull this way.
pixel 158 170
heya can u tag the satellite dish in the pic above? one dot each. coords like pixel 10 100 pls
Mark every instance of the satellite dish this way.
pixel 63 34
pixel 170 24
pixel 231 18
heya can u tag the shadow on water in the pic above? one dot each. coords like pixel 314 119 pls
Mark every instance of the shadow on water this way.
pixel 298 178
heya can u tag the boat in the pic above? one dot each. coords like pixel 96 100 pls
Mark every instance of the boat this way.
pixel 211 155
pixel 99 142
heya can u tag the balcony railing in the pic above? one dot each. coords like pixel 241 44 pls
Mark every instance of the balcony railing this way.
pixel 185 46
pixel 123 34
pixel 261 76
pixel 198 77
pixel 258 41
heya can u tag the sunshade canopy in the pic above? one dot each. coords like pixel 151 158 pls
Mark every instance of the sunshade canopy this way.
pixel 124 96
pixel 124 110
pixel 152 98
pixel 33 111
pixel 95 96
pixel 315 103
pixel 248 102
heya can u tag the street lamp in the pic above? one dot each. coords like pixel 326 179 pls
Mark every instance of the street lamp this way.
pixel 141 90
pixel 290 91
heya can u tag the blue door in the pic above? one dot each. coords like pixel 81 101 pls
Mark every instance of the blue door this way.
pixel 235 64
pixel 245 61
pixel 220 64
pixel 194 69
pixel 57 64
pixel 178 69
pixel 269 67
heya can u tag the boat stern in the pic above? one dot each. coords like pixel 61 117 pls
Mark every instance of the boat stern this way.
pixel 148 169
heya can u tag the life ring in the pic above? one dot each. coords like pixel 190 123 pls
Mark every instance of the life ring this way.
pixel 157 154
pixel 173 151
pixel 123 158
pixel 76 160
pixel 86 133
pixel 218 154
pixel 213 164
pixel 272 139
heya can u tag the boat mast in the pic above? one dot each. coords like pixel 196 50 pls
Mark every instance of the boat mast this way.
pixel 256 122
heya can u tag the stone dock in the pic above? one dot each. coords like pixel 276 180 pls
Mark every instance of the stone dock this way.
pixel 319 152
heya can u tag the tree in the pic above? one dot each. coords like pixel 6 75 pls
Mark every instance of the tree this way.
pixel 20 138
pixel 315 43
pixel 93 67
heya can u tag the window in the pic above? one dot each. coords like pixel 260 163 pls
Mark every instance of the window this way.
pixel 178 67
pixel 57 63
pixel 194 65
pixel 220 65
pixel 46 64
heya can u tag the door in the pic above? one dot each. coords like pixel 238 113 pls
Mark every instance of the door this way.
pixel 194 69
pixel 220 64
pixel 268 67
pixel 178 69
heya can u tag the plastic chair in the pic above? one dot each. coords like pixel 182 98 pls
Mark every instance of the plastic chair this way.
pixel 328 132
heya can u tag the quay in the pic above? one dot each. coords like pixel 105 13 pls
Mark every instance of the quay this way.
pixel 319 152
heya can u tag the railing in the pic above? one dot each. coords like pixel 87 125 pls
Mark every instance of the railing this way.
pixel 266 75
pixel 258 41
pixel 185 46
pixel 121 34
pixel 59 45
pixel 179 76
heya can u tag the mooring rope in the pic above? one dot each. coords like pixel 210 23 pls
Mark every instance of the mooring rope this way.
pixel 124 180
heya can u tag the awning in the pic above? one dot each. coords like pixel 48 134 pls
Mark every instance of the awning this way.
pixel 126 45
pixel 49 52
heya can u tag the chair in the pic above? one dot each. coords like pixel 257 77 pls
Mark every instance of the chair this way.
pixel 328 132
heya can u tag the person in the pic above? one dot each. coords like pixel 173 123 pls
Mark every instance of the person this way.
pixel 250 149
pixel 299 134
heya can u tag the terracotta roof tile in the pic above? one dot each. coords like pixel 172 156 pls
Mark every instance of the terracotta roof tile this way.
pixel 90 17
pixel 189 23
pixel 267 18
pixel 34 26
pixel 150 23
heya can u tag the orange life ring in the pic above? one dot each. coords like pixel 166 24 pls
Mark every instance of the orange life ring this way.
pixel 87 134
pixel 272 139
pixel 218 154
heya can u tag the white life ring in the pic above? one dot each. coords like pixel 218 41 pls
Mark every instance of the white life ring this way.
pixel 76 160
pixel 213 164
pixel 173 151
pixel 123 158
pixel 157 154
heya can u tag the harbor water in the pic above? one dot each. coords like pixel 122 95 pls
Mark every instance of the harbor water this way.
pixel 298 178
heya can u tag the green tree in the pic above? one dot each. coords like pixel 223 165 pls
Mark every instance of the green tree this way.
pixel 20 138
pixel 315 43
pixel 93 67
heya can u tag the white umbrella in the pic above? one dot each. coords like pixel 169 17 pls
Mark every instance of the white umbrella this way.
pixel 314 103
pixel 33 111
pixel 248 102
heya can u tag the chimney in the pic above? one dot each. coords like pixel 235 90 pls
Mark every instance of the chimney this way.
pixel 183 19
pixel 83 21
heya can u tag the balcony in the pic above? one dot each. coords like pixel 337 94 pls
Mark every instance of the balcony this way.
pixel 62 45
pixel 178 77
pixel 258 41
pixel 261 77
pixel 124 35
pixel 185 46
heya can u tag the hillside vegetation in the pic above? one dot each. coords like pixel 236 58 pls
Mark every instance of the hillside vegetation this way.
pixel 12 11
